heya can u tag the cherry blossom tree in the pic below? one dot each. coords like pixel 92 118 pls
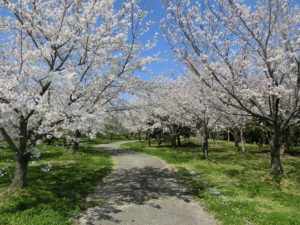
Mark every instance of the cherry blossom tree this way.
pixel 61 63
pixel 250 53
pixel 135 120
pixel 234 122
pixel 190 102
pixel 199 103
pixel 175 104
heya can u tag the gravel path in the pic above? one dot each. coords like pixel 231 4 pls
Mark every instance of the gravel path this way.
pixel 141 190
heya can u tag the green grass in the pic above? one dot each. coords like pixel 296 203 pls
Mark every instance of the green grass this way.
pixel 101 139
pixel 254 196
pixel 55 197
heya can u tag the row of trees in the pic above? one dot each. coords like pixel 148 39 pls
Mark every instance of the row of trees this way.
pixel 63 66
pixel 242 63
pixel 65 63
pixel 247 57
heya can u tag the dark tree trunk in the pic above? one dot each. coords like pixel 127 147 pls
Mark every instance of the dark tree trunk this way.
pixel 139 134
pixel 65 142
pixel 236 138
pixel 19 179
pixel 276 167
pixel 75 146
pixel 148 137
pixel 159 139
pixel 214 137
pixel 174 135
pixel 173 141
pixel 49 141
pixel 149 140
pixel 205 149
pixel 205 142
pixel 178 140
pixel 111 136
pixel 22 158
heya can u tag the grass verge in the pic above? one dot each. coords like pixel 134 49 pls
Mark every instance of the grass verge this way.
pixel 254 197
pixel 54 197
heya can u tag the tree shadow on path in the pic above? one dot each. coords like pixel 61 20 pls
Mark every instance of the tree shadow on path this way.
pixel 132 186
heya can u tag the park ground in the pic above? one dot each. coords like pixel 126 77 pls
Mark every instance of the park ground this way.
pixel 252 195
pixel 249 194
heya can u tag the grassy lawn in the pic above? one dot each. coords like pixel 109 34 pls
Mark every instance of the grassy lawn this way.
pixel 54 197
pixel 254 197
pixel 102 139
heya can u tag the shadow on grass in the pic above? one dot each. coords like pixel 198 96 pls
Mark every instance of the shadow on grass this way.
pixel 185 146
pixel 48 155
pixel 56 196
pixel 293 152
pixel 60 189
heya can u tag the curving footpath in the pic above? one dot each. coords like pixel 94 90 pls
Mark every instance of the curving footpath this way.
pixel 142 190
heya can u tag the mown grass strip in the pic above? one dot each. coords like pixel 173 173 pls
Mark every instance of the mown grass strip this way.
pixel 254 196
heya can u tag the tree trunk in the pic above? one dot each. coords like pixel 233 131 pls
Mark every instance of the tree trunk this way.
pixel 19 178
pixel 242 140
pixel 75 146
pixel 276 167
pixel 139 134
pixel 214 137
pixel 205 143
pixel 149 140
pixel 173 141
pixel 22 158
pixel 228 135
pixel 205 147
pixel 236 138
pixel 49 141
pixel 159 139
pixel 65 142
pixel 178 140
pixel 173 135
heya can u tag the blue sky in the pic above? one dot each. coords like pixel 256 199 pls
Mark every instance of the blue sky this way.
pixel 169 66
